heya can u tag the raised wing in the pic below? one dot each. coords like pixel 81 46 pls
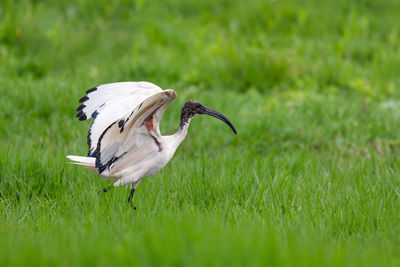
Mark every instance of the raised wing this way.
pixel 108 103
pixel 138 130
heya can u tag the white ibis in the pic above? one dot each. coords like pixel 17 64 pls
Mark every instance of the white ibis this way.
pixel 125 143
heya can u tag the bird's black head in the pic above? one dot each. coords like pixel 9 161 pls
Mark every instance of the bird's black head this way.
pixel 191 108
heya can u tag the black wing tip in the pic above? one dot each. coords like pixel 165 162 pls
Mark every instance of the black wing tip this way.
pixel 91 90
pixel 81 116
pixel 83 99
pixel 81 107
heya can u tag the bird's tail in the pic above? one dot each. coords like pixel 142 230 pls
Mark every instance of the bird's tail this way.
pixel 87 162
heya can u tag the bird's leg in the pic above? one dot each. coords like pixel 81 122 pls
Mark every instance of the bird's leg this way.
pixel 131 192
pixel 105 190
pixel 131 195
pixel 130 198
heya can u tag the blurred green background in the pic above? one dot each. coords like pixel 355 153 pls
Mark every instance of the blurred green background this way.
pixel 312 178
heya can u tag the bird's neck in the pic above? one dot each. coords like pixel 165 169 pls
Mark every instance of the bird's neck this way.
pixel 186 116
pixel 176 139
pixel 172 142
pixel 183 129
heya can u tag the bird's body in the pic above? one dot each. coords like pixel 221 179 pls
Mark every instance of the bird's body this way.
pixel 125 143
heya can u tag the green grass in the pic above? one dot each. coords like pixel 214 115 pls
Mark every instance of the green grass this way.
pixel 311 179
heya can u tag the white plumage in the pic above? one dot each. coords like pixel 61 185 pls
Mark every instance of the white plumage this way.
pixel 124 139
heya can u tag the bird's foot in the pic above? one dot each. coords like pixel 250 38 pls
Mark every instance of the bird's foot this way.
pixel 131 204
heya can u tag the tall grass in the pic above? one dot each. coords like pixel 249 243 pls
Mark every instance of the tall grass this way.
pixel 312 178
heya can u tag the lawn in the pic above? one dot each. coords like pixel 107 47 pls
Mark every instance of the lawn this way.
pixel 311 179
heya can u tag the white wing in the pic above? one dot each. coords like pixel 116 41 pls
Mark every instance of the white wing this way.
pixel 108 103
pixel 134 137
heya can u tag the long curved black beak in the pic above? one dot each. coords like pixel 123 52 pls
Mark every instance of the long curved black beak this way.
pixel 216 114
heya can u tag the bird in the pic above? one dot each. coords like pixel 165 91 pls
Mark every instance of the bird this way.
pixel 124 139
